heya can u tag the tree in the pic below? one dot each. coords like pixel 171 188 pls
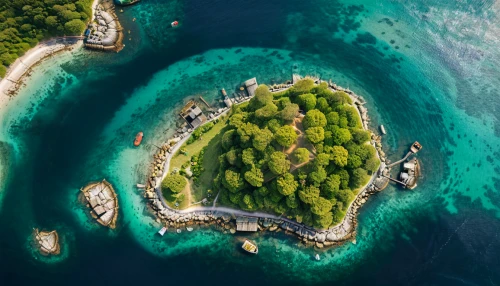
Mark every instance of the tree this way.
pixel 307 101
pixel 322 105
pixel 344 178
pixel 262 97
pixel 338 98
pixel 290 111
pixel 254 177
pixel 301 155
pixel 360 136
pixel 262 138
pixel 322 159
pixel 228 139
pixel 267 111
pixel 286 184
pixel 233 157
pixel 353 161
pixel 332 118
pixel 339 155
pixel 278 164
pixel 292 201
pixel 315 134
pixel 330 186
pixel 358 177
pixel 309 194
pixel 323 221
pixel 317 176
pixel 51 22
pixel 232 181
pixel 248 156
pixel 286 136
pixel 75 26
pixel 341 136
pixel 246 131
pixel 247 202
pixel 302 86
pixel 273 125
pixel 175 183
pixel 314 118
pixel 321 206
pixel 372 164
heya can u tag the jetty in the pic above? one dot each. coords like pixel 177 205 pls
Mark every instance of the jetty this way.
pixel 47 241
pixel 102 201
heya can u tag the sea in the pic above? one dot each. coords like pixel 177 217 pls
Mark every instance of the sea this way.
pixel 428 69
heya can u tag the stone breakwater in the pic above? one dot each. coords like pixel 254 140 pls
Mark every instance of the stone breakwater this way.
pixel 106 32
pixel 47 242
pixel 225 218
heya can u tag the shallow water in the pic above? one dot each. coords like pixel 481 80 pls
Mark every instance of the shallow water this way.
pixel 428 70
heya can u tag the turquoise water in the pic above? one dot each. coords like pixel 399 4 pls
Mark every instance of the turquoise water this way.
pixel 428 70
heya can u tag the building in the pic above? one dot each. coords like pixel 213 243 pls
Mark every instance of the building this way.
pixel 244 223
pixel 251 85
pixel 193 115
pixel 228 102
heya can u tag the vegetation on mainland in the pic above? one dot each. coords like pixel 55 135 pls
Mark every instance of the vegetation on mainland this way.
pixel 267 157
pixel 24 23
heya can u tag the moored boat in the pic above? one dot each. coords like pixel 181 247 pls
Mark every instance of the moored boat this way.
pixel 250 247
pixel 224 93
pixel 317 257
pixel 138 139
pixel 162 231
pixel 382 129
pixel 174 24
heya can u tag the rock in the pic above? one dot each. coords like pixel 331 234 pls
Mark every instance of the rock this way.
pixel 232 231
pixel 320 237
pixel 273 228
pixel 319 245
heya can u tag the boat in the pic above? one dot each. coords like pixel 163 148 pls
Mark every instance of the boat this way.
pixel 141 186
pixel 317 257
pixel 189 228
pixel 178 231
pixel 382 129
pixel 224 93
pixel 162 231
pixel 174 24
pixel 250 247
pixel 416 147
pixel 138 139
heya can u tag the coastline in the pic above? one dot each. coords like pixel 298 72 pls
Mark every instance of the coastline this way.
pixel 343 231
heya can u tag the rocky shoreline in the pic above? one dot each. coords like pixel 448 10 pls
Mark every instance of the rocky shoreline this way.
pixel 106 32
pixel 102 201
pixel 47 242
pixel 225 218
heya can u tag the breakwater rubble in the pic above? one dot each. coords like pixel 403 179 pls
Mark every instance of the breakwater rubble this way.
pixel 47 242
pixel 105 32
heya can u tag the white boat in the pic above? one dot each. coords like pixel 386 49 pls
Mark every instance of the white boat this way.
pixel 250 247
pixel 317 257
pixel 178 231
pixel 141 186
pixel 189 228
pixel 382 129
pixel 162 231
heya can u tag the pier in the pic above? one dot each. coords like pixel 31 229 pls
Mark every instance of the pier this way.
pixel 401 161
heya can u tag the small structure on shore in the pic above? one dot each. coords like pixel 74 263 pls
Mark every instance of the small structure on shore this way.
pixel 105 33
pixel 193 114
pixel 410 173
pixel 102 201
pixel 244 223
pixel 251 85
pixel 47 241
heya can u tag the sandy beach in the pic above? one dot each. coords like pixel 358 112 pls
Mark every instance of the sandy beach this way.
pixel 10 84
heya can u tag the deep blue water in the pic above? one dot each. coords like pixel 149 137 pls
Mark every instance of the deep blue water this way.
pixel 428 70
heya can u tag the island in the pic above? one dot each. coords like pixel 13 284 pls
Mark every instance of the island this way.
pixel 101 199
pixel 47 242
pixel 297 156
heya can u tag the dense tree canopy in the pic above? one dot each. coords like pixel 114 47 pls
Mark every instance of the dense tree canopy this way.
pixel 175 183
pixel 23 23
pixel 256 174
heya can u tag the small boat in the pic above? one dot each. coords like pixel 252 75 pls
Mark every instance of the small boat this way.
pixel 178 231
pixel 189 228
pixel 250 247
pixel 141 186
pixel 162 231
pixel 174 24
pixel 224 92
pixel 133 20
pixel 317 257
pixel 138 139
pixel 382 129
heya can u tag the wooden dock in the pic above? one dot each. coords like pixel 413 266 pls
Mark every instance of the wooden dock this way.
pixel 394 180
pixel 402 160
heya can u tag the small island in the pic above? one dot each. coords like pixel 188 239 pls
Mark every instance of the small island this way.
pixel 296 156
pixel 101 199
pixel 47 242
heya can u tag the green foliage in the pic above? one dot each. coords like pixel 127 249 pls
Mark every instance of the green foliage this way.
pixel 254 177
pixel 344 178
pixel 262 98
pixel 358 177
pixel 286 136
pixel 175 183
pixel 197 134
pixel 339 155
pixel 321 206
pixel 292 201
pixel 23 23
pixel 317 176
pixel 322 159
pixel 233 157
pixel 301 155
pixel 267 111
pixel 307 101
pixel 232 181
pixel 289 111
pixel 331 186
pixel 309 194
pixel 372 164
pixel 286 184
pixel 278 164
pixel 228 139
pixel 248 156
pixel 273 125
pixel 302 86
pixel 341 136
pixel 353 161
pixel 360 136
pixel 315 134
pixel 333 118
pixel 262 138
pixel 314 118
pixel 322 105
pixel 323 221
